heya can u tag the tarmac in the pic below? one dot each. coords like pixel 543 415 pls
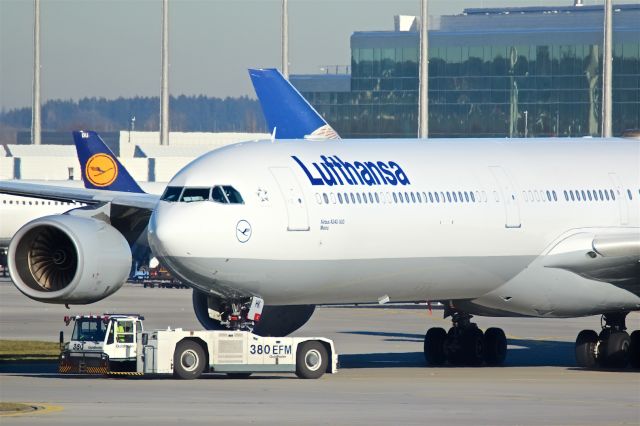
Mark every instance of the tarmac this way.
pixel 382 377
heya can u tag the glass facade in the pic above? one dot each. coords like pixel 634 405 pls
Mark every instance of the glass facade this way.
pixel 486 82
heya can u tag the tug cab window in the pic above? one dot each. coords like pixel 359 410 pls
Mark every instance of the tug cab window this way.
pixel 171 194
pixel 189 195
pixel 89 330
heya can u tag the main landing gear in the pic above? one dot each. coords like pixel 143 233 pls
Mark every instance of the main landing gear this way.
pixel 464 344
pixel 612 348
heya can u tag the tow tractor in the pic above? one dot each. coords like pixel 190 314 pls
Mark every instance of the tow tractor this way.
pixel 118 344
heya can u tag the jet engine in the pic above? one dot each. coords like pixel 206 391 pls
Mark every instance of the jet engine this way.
pixel 68 259
pixel 276 321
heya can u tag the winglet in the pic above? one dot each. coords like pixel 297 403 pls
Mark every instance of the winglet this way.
pixel 99 166
pixel 285 108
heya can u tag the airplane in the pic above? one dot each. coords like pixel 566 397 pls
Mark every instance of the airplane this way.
pixel 541 228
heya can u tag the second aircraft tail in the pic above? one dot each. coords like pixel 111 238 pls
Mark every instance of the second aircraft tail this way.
pixel 286 110
pixel 99 166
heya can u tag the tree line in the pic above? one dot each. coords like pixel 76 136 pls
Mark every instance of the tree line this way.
pixel 187 114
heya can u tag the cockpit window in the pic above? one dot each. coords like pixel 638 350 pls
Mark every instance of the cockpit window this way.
pixel 172 193
pixel 233 196
pixel 195 194
pixel 226 195
pixel 217 195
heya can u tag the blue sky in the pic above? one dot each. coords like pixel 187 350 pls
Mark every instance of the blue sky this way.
pixel 111 48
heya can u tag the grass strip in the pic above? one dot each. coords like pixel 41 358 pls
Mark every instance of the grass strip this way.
pixel 22 350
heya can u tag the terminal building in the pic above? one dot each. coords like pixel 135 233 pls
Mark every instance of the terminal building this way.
pixel 507 72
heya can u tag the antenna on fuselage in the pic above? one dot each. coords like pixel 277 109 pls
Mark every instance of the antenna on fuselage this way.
pixel 273 135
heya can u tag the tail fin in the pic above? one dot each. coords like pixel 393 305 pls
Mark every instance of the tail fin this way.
pixel 99 166
pixel 286 109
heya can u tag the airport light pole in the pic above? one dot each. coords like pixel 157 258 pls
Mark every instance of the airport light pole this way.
pixel 35 107
pixel 423 103
pixel 285 39
pixel 607 76
pixel 164 89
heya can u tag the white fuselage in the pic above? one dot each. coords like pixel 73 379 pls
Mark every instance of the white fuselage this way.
pixel 500 208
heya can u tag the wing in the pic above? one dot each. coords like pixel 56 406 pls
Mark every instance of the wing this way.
pixel 83 195
pixel 608 255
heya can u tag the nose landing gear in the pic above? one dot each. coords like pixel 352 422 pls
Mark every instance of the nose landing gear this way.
pixel 612 348
pixel 464 344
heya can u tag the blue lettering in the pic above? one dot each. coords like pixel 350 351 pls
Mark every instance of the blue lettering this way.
pixel 313 180
pixel 333 171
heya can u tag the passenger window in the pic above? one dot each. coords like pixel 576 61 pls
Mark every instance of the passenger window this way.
pixel 589 195
pixel 473 198
pixel 584 198
pixel 548 195
pixel 217 195
pixel 629 193
pixel 171 194
pixel 555 198
pixel 419 197
pixel 455 198
pixel 377 198
pixel 340 197
pixel 325 197
pixel 413 197
pixel 353 198
pixel 346 198
pixel 395 198
pixel 572 196
pixel 359 199
pixel 233 195
pixel 370 198
pixel 318 198
pixel 613 196
pixel 601 195
pixel 437 197
pixel 566 196
pixel 606 194
pixel 364 197
pixel 431 196
pixel 448 196
pixel 466 196
pixel 189 195
pixel 460 196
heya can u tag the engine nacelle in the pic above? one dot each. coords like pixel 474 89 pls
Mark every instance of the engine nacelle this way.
pixel 68 259
pixel 276 321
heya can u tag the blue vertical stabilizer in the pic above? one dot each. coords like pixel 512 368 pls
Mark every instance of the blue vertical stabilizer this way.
pixel 286 109
pixel 99 166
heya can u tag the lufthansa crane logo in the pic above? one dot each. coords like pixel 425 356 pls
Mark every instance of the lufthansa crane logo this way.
pixel 101 170
pixel 243 231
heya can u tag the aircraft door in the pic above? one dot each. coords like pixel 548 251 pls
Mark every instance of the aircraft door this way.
pixel 298 218
pixel 622 198
pixel 508 196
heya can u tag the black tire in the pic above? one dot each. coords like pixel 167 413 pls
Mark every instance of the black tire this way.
pixel 634 349
pixel 586 349
pixel 615 352
pixel 189 360
pixel 495 346
pixel 238 375
pixel 434 346
pixel 311 360
pixel 453 347
pixel 473 346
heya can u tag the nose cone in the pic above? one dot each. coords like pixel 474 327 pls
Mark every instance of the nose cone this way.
pixel 164 231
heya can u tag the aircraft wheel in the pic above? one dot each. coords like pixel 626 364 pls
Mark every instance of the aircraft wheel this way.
pixel 586 349
pixel 616 349
pixel 634 349
pixel 473 346
pixel 188 360
pixel 495 346
pixel 434 346
pixel 311 360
